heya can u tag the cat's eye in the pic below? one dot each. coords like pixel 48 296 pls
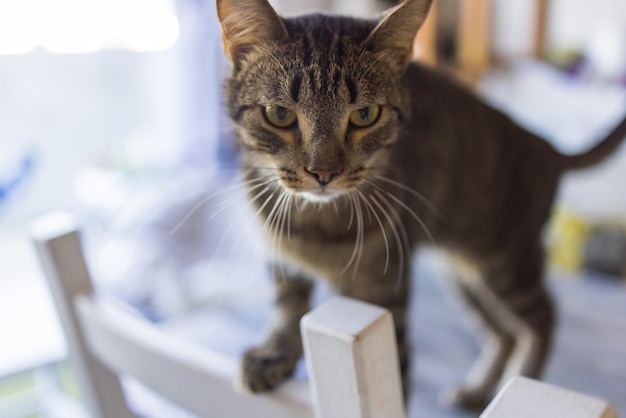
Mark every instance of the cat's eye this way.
pixel 279 116
pixel 366 116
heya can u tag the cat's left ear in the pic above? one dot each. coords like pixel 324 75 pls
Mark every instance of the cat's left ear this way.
pixel 396 32
pixel 246 23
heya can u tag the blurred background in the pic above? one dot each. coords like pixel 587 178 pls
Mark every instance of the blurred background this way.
pixel 112 110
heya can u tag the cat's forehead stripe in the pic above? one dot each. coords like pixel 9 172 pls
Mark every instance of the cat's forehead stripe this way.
pixel 317 44
pixel 306 50
pixel 312 78
pixel 351 89
pixel 295 87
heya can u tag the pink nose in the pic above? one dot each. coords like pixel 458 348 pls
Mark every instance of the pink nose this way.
pixel 324 176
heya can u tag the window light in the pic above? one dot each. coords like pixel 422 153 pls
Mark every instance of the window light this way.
pixel 85 26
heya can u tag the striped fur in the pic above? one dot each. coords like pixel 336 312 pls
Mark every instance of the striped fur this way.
pixel 438 167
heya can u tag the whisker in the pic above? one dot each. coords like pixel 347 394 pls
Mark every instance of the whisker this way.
pixel 361 230
pixel 291 199
pixel 283 217
pixel 402 229
pixel 247 166
pixel 356 239
pixel 380 224
pixel 255 216
pixel 205 200
pixel 224 205
pixel 264 180
pixel 299 204
pixel 359 237
pixel 274 233
pixel 335 208
pixel 244 167
pixel 419 220
pixel 394 230
pixel 350 200
pixel 415 193
pixel 235 218
pixel 269 221
pixel 397 217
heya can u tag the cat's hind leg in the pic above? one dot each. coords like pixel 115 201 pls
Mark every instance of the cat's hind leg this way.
pixel 513 300
pixel 526 310
pixel 266 366
pixel 496 346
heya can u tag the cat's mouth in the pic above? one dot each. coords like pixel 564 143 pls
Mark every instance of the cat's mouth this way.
pixel 321 195
pixel 315 187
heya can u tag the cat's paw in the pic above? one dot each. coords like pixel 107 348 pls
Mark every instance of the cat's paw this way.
pixel 465 397
pixel 263 369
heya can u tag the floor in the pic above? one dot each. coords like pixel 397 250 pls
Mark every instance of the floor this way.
pixel 589 354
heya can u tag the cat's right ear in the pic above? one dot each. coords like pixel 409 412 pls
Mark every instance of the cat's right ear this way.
pixel 246 23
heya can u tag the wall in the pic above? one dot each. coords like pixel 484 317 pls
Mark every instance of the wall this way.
pixel 513 27
pixel 573 21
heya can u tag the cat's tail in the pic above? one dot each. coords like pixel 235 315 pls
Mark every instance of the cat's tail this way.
pixel 599 152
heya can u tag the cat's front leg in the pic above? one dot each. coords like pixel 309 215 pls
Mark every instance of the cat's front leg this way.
pixel 389 289
pixel 266 366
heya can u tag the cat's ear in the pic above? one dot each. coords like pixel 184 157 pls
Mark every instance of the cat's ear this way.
pixel 246 23
pixel 396 31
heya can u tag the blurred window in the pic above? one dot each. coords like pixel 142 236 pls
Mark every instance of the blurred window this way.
pixel 86 26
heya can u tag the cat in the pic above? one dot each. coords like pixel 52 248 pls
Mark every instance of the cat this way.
pixel 356 156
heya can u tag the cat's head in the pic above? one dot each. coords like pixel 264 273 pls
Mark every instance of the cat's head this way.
pixel 317 100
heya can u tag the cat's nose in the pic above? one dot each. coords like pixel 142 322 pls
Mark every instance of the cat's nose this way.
pixel 323 176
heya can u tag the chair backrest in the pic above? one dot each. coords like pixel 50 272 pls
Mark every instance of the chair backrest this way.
pixel 527 398
pixel 341 339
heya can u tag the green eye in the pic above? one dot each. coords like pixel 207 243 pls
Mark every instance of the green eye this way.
pixel 279 116
pixel 364 117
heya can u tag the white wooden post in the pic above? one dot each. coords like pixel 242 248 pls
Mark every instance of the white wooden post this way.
pixel 527 398
pixel 58 245
pixel 352 360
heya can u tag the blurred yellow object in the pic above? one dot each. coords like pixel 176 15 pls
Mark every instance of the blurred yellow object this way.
pixel 566 240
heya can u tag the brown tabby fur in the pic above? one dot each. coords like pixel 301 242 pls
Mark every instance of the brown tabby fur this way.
pixel 438 167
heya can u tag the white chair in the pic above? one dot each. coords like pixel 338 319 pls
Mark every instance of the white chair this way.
pixel 349 348
pixel 527 398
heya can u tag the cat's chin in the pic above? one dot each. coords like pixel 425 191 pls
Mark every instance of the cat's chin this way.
pixel 321 196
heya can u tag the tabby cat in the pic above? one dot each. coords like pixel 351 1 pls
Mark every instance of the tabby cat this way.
pixel 357 156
